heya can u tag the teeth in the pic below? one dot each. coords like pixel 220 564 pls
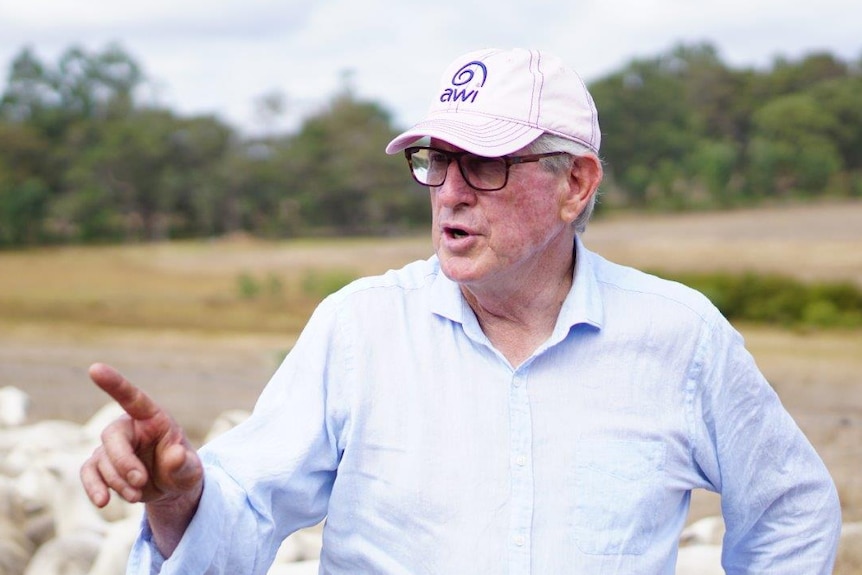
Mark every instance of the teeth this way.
pixel 459 233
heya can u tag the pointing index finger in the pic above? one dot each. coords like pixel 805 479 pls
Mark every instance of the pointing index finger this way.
pixel 133 400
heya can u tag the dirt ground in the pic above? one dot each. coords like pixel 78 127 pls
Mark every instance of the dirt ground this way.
pixel 196 376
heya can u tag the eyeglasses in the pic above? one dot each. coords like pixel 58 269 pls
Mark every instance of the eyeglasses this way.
pixel 429 167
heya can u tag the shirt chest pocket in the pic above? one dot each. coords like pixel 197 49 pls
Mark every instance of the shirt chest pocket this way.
pixel 615 486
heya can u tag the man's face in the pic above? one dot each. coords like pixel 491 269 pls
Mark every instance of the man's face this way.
pixel 502 239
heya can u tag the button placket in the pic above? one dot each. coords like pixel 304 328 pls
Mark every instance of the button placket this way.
pixel 520 427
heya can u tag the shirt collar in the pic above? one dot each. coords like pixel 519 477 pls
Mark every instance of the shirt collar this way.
pixel 446 297
pixel 583 304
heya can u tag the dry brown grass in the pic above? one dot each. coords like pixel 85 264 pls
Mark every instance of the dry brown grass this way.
pixel 809 242
pixel 185 285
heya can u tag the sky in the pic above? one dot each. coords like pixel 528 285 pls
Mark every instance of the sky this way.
pixel 223 56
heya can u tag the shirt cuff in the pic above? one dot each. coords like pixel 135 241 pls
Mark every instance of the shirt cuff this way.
pixel 145 557
pixel 196 549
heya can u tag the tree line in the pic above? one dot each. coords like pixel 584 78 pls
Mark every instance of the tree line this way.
pixel 83 160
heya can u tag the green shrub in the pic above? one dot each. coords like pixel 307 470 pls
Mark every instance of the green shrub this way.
pixel 247 286
pixel 274 286
pixel 321 283
pixel 779 300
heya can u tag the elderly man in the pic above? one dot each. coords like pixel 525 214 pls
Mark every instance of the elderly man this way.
pixel 514 404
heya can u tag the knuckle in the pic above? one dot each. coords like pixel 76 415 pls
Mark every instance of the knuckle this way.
pixel 126 462
pixel 116 428
pixel 110 477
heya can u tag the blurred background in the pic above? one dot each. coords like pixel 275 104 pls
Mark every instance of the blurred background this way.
pixel 180 185
pixel 149 121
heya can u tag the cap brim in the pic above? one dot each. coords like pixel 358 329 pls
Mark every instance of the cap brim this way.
pixel 477 134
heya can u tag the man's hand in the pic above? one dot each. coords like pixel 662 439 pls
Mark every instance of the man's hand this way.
pixel 145 457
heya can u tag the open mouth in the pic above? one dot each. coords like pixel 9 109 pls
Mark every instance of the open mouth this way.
pixel 456 233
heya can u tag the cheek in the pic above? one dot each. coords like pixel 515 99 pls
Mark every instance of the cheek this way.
pixel 524 229
pixel 533 217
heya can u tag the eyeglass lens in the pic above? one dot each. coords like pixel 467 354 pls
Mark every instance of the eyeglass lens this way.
pixel 430 167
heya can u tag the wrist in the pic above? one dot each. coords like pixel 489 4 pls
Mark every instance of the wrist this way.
pixel 169 517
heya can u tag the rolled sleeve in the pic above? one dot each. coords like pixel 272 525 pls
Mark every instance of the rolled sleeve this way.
pixel 779 502
pixel 202 542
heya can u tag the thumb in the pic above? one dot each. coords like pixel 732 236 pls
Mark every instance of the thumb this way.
pixel 182 468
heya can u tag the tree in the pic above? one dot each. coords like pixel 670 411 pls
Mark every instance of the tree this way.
pixel 793 138
pixel 789 77
pixel 337 171
pixel 148 168
pixel 81 160
pixel 82 85
pixel 28 93
pixel 96 85
pixel 24 195
pixel 646 119
pixel 840 99
pixel 713 164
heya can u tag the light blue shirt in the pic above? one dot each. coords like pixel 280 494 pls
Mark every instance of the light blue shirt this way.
pixel 397 420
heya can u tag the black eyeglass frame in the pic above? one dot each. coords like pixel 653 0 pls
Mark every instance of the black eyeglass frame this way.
pixel 508 160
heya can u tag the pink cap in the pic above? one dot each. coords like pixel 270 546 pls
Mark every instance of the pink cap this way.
pixel 495 102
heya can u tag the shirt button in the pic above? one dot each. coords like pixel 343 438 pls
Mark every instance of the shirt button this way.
pixel 521 460
pixel 519 540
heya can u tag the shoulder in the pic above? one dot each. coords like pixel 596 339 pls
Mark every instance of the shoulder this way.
pixel 647 294
pixel 416 275
pixel 381 293
pixel 371 304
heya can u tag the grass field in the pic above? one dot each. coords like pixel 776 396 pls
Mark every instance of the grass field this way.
pixel 238 284
pixel 202 324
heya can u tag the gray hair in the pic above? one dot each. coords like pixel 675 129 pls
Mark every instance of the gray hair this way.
pixel 558 164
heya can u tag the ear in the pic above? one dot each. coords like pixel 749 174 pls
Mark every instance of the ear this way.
pixel 583 182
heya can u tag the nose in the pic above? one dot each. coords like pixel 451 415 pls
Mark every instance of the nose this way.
pixel 454 190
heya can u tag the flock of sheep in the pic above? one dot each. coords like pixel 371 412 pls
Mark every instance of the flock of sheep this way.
pixel 49 527
pixel 47 524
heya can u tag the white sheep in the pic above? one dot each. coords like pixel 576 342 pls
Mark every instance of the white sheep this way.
pixel 92 428
pixel 700 553
pixel 117 544
pixel 225 421
pixel 14 406
pixel 704 559
pixel 301 545
pixel 307 567
pixel 298 555
pixel 67 555
pixel 849 558
pixel 20 446
pixel 16 549
pixel 52 482
pixel 65 531
pixel 700 547
pixel 708 530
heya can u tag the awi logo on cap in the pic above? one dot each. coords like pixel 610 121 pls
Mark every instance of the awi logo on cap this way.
pixel 464 76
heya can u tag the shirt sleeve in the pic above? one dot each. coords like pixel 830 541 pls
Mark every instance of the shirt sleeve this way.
pixel 144 558
pixel 779 503
pixel 269 476
pixel 198 547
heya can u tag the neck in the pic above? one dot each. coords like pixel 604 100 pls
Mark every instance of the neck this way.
pixel 518 321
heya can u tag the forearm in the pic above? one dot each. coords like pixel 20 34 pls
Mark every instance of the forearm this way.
pixel 804 545
pixel 224 536
pixel 781 506
pixel 779 502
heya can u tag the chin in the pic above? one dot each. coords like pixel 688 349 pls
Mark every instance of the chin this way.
pixel 459 269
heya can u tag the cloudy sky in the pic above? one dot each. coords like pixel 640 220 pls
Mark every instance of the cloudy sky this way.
pixel 221 56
